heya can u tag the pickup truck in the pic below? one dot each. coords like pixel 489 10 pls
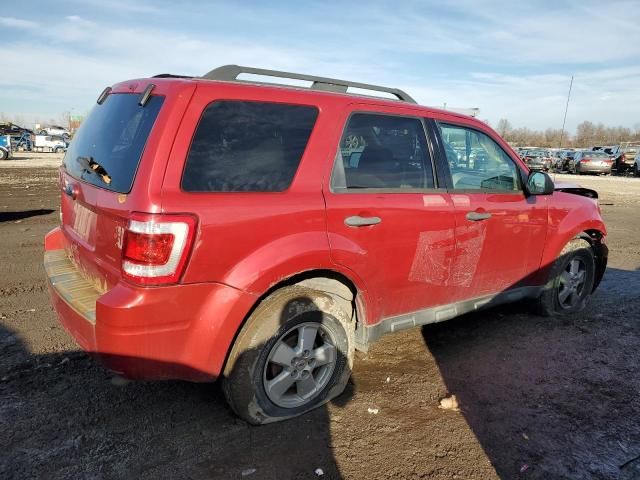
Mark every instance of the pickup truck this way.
pixel 50 143
pixel 5 147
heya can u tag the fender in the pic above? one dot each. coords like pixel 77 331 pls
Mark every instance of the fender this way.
pixel 569 216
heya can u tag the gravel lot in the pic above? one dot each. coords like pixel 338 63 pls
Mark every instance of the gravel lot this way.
pixel 539 398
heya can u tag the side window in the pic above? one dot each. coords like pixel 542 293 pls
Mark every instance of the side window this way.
pixel 247 147
pixel 476 161
pixel 382 151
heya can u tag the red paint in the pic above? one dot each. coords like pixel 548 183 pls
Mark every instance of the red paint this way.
pixel 424 253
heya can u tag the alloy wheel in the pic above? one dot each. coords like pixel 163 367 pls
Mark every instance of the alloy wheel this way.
pixel 299 365
pixel 571 285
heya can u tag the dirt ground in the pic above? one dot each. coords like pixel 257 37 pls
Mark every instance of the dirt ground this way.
pixel 540 398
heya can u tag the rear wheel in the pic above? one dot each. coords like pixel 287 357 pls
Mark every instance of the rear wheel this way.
pixel 3 154
pixel 570 281
pixel 294 354
pixel 636 171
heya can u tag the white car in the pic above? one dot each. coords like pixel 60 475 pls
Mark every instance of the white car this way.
pixel 55 130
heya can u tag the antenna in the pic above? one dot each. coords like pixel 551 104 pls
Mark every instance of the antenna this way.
pixel 565 112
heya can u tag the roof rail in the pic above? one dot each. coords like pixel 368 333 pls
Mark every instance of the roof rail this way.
pixel 230 73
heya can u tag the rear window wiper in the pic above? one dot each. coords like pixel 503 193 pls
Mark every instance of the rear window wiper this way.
pixel 91 166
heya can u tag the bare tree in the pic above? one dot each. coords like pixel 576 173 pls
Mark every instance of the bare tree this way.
pixel 503 127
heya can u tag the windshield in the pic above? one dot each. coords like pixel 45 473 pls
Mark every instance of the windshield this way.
pixel 113 136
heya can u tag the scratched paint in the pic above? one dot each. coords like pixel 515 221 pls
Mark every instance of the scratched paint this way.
pixel 432 259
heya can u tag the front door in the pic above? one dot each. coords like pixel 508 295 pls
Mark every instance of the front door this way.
pixel 500 232
pixel 388 222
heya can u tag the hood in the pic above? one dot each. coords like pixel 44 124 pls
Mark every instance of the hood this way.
pixel 575 189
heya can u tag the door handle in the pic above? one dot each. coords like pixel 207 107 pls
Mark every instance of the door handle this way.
pixel 478 216
pixel 358 221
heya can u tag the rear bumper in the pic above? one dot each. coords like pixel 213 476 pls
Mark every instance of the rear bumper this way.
pixel 586 168
pixel 176 331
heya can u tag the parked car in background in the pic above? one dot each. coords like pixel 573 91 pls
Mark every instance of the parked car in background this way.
pixel 55 130
pixel 591 162
pixel 564 158
pixel 216 228
pixel 6 151
pixel 538 159
pixel 636 166
pixel 624 156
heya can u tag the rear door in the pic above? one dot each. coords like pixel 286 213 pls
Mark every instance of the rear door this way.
pixel 387 219
pixel 500 232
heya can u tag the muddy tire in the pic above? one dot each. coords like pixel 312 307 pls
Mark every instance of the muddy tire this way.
pixel 294 354
pixel 570 281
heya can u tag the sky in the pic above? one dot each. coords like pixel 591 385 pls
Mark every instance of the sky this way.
pixel 510 59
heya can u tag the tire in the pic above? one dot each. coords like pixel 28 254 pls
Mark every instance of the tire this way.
pixel 58 150
pixel 43 132
pixel 271 374
pixel 3 154
pixel 565 292
pixel 636 171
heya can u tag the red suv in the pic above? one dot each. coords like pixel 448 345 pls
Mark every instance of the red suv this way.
pixel 213 227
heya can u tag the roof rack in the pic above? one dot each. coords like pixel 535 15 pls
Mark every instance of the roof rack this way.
pixel 170 75
pixel 230 73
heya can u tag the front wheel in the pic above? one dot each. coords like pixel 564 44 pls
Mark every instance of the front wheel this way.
pixel 3 154
pixel 570 281
pixel 294 353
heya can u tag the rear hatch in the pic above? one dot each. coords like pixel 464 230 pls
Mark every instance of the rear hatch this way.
pixel 97 178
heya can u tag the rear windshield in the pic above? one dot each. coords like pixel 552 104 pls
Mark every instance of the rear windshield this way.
pixel 247 147
pixel 107 148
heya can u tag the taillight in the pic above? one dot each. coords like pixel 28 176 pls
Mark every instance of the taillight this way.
pixel 156 248
pixel 585 160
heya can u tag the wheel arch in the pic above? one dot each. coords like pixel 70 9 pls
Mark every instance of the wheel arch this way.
pixel 332 282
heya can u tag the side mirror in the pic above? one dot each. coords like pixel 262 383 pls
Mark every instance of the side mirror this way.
pixel 539 183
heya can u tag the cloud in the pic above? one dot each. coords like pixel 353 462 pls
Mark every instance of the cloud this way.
pixel 18 23
pixel 538 100
pixel 122 6
pixel 511 60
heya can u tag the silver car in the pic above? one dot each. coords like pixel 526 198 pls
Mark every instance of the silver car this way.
pixel 591 162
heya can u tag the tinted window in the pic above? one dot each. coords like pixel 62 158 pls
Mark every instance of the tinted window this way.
pixel 112 136
pixel 247 147
pixel 380 151
pixel 476 161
